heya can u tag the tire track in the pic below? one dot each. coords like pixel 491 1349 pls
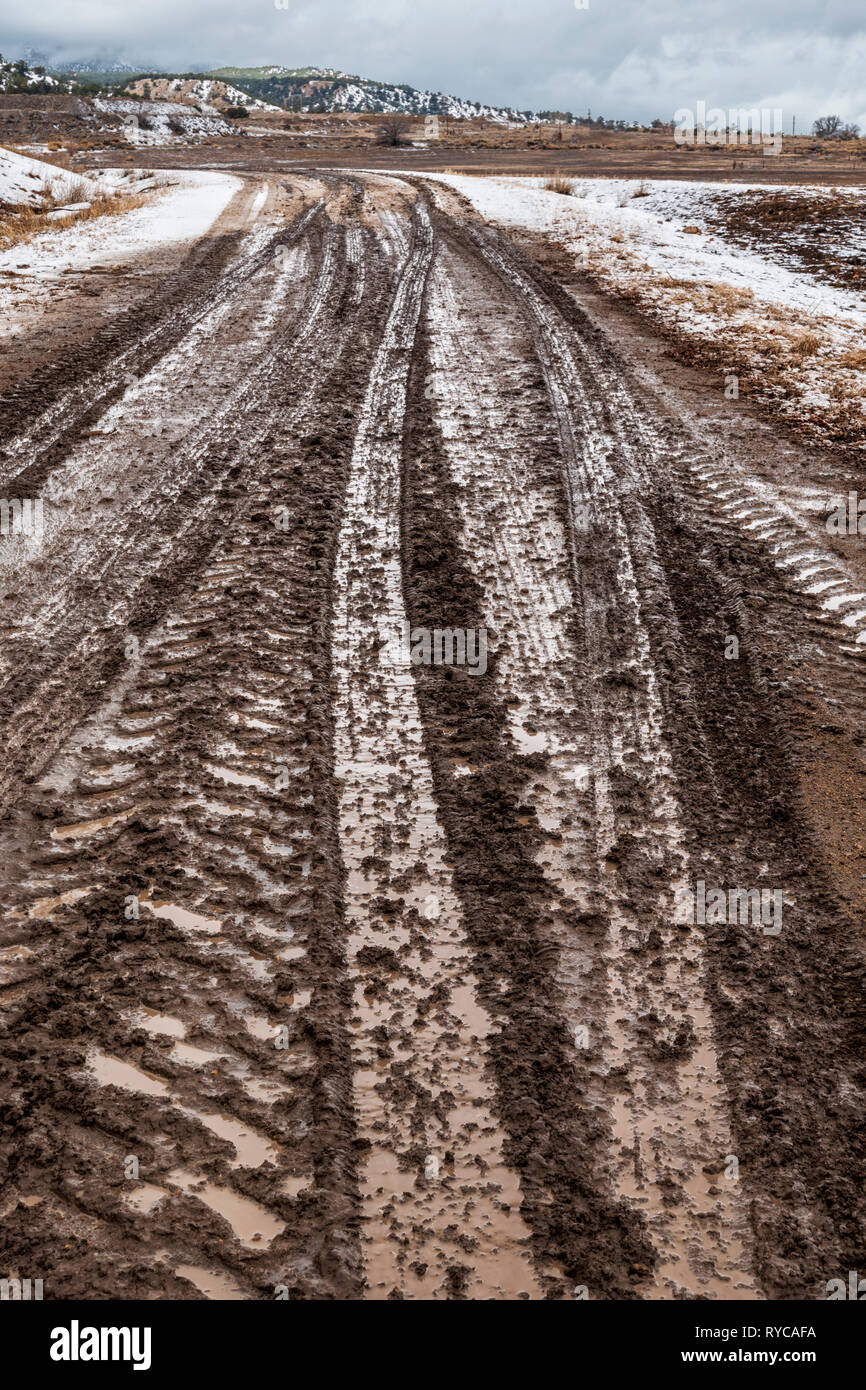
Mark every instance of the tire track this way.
pixel 210 1038
pixel 670 1117
pixel 376 970
pixel 741 748
pixel 432 1147
pixel 215 275
pixel 105 566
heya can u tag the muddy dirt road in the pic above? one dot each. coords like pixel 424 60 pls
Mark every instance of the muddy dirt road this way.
pixel 344 959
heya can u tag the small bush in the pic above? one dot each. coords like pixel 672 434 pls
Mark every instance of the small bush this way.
pixel 61 192
pixel 557 184
pixel 393 130
pixel 806 345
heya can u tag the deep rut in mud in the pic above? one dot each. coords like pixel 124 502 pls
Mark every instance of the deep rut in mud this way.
pixel 325 973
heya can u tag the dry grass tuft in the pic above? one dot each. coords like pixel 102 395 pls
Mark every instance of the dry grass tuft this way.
pixel 62 192
pixel 21 223
pixel 855 360
pixel 805 345
pixel 729 298
pixel 557 184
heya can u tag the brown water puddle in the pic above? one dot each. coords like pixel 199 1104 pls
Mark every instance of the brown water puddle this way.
pixel 254 1226
pixel 216 1286
pixel 190 1056
pixel 45 906
pixel 161 1025
pixel 183 917
pixel 85 828
pixel 251 1149
pixel 146 1198
pixel 110 1071
pixel 293 1187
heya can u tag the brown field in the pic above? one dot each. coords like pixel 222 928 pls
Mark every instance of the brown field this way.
pixel 479 147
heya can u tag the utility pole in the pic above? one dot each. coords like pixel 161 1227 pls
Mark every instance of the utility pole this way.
pixel 794 128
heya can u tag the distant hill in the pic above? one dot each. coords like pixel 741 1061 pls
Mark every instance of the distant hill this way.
pixel 98 66
pixel 327 89
pixel 21 77
pixel 307 89
pixel 208 91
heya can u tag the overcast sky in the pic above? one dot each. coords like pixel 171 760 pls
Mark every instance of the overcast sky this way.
pixel 622 58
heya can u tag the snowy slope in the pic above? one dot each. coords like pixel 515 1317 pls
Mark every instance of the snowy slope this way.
pixel 208 92
pixel 12 80
pixel 333 90
pixel 151 122
pixel 25 180
pixel 180 212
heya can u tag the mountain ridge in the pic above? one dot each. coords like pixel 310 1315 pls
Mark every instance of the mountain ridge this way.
pixel 299 89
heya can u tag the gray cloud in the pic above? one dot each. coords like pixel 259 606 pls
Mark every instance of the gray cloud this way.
pixel 620 57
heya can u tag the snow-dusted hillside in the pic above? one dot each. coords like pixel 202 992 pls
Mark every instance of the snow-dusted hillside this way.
pixel 21 77
pixel 327 89
pixel 362 96
pixel 208 92
pixel 162 122
pixel 30 181
pixel 271 88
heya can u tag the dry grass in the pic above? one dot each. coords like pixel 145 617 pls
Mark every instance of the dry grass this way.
pixel 22 223
pixel 778 313
pixel 730 299
pixel 786 359
pixel 805 345
pixel 854 360
pixel 62 192
pixel 557 184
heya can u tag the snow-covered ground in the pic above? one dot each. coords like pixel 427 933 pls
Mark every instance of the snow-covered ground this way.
pixel 160 117
pixel 604 217
pixel 774 319
pixel 24 180
pixel 183 205
pixel 205 90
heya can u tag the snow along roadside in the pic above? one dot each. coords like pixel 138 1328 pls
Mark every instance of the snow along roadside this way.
pixel 180 211
pixel 784 334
